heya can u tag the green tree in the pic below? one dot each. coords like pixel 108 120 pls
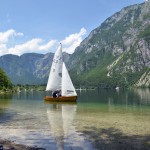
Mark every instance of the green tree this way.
pixel 5 82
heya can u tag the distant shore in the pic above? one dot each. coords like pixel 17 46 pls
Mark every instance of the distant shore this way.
pixel 10 145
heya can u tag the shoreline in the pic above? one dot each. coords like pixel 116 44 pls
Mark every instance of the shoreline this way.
pixel 11 145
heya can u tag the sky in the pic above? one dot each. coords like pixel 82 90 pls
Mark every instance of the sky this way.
pixel 38 26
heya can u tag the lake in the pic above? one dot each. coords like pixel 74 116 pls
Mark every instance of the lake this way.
pixel 101 119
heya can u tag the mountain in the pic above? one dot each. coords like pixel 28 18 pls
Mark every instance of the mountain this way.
pixel 117 53
pixel 30 68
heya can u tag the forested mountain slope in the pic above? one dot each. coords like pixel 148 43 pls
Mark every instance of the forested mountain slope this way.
pixel 117 53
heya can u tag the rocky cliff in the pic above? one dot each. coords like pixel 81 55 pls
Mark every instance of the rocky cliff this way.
pixel 28 68
pixel 117 53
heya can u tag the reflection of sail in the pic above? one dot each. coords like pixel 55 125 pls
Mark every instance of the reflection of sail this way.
pixel 55 120
pixel 110 104
pixel 61 117
pixel 68 113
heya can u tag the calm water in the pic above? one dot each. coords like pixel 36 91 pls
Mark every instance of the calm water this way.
pixel 99 120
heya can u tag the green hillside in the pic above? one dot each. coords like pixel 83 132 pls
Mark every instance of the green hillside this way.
pixel 5 83
pixel 117 52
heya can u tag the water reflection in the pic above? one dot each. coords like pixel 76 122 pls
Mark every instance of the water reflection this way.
pixel 133 101
pixel 98 114
pixel 61 119
pixel 26 95
pixel 4 101
pixel 143 94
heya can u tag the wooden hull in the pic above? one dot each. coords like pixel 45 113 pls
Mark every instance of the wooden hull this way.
pixel 61 99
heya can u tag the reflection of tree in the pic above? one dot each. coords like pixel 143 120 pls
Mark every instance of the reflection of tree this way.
pixel 5 100
pixel 114 139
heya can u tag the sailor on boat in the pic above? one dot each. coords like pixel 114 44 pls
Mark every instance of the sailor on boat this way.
pixel 56 93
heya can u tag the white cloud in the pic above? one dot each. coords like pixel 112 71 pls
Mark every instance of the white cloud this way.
pixel 34 45
pixel 47 46
pixel 146 0
pixel 4 36
pixel 38 45
pixel 4 39
pixel 3 49
pixel 73 40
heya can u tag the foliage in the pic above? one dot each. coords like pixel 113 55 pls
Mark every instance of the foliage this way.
pixel 5 83
pixel 28 87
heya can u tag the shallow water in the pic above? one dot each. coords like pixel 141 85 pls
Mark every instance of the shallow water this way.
pixel 99 120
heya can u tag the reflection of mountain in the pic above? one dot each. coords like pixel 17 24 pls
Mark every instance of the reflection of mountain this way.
pixel 144 95
pixel 60 117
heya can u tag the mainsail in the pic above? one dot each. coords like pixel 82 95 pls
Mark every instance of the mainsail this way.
pixel 55 76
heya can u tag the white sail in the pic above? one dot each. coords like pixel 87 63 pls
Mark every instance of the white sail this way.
pixel 67 85
pixel 55 76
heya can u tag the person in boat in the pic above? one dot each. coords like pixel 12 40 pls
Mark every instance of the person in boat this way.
pixel 56 93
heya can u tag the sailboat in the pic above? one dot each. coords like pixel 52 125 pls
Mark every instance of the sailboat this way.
pixel 59 80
